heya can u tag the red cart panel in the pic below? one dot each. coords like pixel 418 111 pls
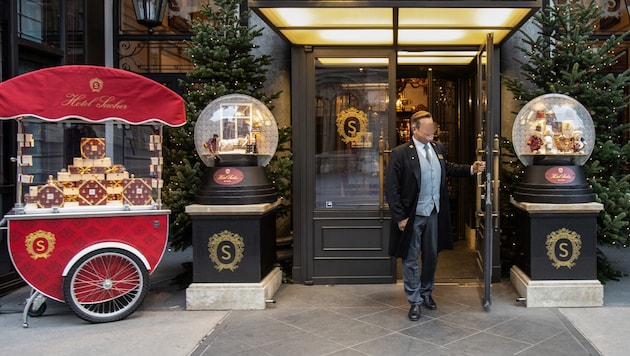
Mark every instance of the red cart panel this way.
pixel 42 246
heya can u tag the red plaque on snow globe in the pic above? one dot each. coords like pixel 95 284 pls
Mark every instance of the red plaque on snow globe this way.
pixel 228 176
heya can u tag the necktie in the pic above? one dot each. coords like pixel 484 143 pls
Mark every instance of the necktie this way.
pixel 426 152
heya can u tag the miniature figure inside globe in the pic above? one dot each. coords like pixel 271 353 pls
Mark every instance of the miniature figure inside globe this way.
pixel 553 129
pixel 236 129
pixel 236 136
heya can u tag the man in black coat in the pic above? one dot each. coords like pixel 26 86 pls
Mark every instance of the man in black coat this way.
pixel 416 190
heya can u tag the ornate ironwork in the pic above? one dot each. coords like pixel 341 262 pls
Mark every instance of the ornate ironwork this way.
pixel 153 57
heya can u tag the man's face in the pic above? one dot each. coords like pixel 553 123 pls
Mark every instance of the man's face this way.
pixel 425 131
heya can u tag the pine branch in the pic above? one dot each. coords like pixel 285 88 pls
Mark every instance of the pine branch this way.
pixel 564 57
pixel 220 50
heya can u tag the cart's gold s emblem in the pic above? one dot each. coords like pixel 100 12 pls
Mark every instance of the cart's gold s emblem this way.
pixel 40 244
pixel 563 247
pixel 226 250
pixel 352 125
pixel 96 84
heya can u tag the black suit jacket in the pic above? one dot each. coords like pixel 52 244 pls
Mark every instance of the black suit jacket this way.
pixel 402 188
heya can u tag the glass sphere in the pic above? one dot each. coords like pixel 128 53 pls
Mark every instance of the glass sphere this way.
pixel 553 129
pixel 234 126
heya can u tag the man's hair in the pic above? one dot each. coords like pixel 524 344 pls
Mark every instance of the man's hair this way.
pixel 417 116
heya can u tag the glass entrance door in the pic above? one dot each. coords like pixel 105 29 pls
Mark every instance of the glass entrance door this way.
pixel 348 114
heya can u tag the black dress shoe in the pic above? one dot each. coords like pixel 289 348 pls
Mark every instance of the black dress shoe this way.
pixel 414 312
pixel 429 302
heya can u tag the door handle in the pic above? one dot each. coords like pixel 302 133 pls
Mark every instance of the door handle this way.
pixel 495 181
pixel 382 162
pixel 479 191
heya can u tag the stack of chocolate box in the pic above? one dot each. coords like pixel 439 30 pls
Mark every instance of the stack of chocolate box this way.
pixel 92 179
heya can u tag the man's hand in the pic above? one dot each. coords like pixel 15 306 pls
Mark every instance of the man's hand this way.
pixel 402 224
pixel 478 166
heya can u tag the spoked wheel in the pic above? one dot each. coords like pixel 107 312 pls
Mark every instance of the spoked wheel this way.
pixel 106 285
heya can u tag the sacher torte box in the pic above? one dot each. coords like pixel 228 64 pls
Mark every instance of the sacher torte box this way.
pixel 92 148
pixel 137 191
pixel 92 192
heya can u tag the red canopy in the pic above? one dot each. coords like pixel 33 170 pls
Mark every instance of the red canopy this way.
pixel 90 93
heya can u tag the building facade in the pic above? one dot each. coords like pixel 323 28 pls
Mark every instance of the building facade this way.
pixel 351 73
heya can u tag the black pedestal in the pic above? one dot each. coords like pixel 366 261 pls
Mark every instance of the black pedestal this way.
pixel 557 184
pixel 233 243
pixel 557 241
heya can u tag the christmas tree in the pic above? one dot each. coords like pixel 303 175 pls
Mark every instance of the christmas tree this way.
pixel 221 52
pixel 566 57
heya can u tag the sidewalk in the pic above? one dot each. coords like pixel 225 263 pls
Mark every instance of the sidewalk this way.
pixel 608 328
pixel 161 326
pixel 330 320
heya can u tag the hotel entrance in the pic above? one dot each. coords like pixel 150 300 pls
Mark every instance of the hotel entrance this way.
pixel 363 102
pixel 359 69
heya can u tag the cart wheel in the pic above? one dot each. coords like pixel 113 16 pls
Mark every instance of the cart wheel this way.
pixel 39 311
pixel 106 285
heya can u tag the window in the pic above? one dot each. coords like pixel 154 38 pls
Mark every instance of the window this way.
pixel 164 50
pixel 351 115
pixel 40 21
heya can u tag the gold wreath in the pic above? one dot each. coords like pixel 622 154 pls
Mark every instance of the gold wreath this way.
pixel 226 236
pixel 34 236
pixel 563 234
pixel 341 123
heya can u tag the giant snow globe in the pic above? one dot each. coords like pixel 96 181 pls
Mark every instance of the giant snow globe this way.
pixel 553 136
pixel 236 136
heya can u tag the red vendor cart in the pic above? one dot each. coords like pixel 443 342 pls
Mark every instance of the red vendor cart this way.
pixel 88 227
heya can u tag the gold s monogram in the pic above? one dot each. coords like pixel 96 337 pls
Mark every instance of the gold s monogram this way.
pixel 563 247
pixel 226 250
pixel 96 85
pixel 352 125
pixel 40 244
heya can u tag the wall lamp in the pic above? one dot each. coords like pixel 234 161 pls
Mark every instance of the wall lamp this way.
pixel 150 13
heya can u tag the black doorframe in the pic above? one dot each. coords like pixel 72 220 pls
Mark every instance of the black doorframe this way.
pixel 489 131
pixel 308 219
pixel 300 92
pixel 303 126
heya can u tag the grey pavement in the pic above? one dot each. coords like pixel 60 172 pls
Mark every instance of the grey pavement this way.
pixel 608 328
pixel 161 326
pixel 329 320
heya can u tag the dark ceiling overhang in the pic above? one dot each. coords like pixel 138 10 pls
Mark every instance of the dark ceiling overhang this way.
pixel 416 29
